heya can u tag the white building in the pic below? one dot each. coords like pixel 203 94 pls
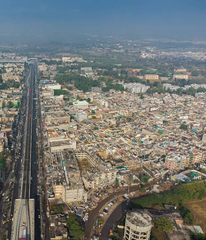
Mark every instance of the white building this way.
pixel 81 116
pixel 138 225
pixel 180 76
pixel 80 105
pixel 136 87
pixel 53 86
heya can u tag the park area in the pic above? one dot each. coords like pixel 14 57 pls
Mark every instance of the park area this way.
pixel 198 210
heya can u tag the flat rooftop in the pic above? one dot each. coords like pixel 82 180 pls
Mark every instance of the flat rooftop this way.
pixel 139 218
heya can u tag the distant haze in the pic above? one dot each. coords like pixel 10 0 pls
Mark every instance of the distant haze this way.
pixel 26 20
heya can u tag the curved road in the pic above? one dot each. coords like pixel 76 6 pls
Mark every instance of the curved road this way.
pixel 116 215
pixel 94 213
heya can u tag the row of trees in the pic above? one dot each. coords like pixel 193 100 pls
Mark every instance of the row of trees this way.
pixel 86 84
pixel 181 194
pixel 9 84
pixel 80 82
pixel 8 105
pixel 110 85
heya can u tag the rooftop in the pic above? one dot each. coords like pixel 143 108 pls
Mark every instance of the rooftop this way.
pixel 139 218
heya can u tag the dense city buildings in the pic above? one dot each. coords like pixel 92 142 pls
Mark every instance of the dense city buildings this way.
pixel 101 135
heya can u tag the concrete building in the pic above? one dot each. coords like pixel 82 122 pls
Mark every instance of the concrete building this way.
pixel 81 116
pixel 176 161
pixel 68 194
pixel 180 76
pixel 138 225
pixel 136 87
pixel 53 86
pixel 151 77
pixel 180 70
pixel 80 105
pixel 204 138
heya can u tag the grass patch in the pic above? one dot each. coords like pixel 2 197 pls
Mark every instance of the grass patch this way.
pixel 158 234
pixel 198 210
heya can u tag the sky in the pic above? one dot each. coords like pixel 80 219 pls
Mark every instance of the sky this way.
pixel 59 19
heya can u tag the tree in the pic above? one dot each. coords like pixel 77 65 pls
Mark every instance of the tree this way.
pixel 163 224
pixel 186 215
pixel 183 126
pixel 10 104
pixel 58 92
pixel 1 80
pixel 182 193
pixel 3 104
pixel 141 96
pixel 145 178
pixel 197 236
pixel 75 229
pixel 3 86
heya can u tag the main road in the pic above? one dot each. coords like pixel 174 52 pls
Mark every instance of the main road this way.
pixel 26 168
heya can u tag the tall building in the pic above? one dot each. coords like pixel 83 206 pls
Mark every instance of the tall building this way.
pixel 138 225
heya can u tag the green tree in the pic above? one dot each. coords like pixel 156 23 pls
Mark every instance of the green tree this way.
pixel 1 80
pixel 10 104
pixel 163 224
pixel 3 86
pixel 3 104
pixel 186 215
pixel 183 126
pixel 141 96
pixel 75 229
pixel 145 178
pixel 58 92
pixel 197 236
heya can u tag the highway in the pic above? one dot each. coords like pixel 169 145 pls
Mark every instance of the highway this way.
pixel 26 168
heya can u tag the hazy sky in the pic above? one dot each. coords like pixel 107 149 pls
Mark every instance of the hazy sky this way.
pixel 141 18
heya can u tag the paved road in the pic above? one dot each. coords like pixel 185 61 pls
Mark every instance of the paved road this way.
pixel 116 215
pixel 18 163
pixel 94 213
pixel 34 163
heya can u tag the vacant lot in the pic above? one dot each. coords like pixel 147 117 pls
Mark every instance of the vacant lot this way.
pixel 198 210
pixel 84 164
pixel 158 234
